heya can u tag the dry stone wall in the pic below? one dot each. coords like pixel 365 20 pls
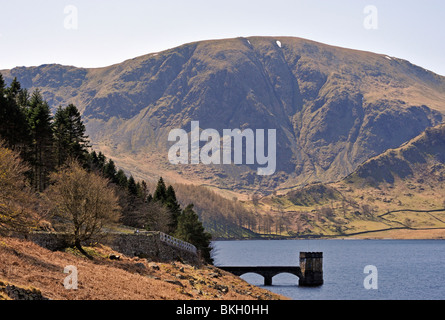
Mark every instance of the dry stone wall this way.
pixel 155 246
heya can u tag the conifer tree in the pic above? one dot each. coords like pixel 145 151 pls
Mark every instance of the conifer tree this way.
pixel 160 193
pixel 93 162
pixel 110 171
pixel 132 187
pixel 101 160
pixel 2 90
pixel 41 133
pixel 4 112
pixel 14 89
pixel 173 206
pixel 23 98
pixel 190 229
pixel 139 192
pixel 121 179
pixel 69 135
pixel 60 136
pixel 13 124
pixel 143 191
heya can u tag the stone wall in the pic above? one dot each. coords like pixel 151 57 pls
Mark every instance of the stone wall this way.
pixel 50 240
pixel 145 245
pixel 149 245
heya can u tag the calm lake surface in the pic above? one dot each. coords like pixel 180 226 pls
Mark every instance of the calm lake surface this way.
pixel 406 269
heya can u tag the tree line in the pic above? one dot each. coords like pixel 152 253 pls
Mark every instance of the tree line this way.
pixel 48 172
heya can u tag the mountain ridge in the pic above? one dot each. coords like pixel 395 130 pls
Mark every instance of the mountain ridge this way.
pixel 333 108
pixel 398 194
pixel 426 149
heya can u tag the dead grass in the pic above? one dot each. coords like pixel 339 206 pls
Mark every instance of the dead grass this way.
pixel 25 264
pixel 404 234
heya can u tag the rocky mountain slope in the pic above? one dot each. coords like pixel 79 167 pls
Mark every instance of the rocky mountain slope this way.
pixel 333 108
pixel 399 194
pixel 423 155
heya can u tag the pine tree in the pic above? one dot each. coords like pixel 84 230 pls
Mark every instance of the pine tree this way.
pixel 93 161
pixel 173 206
pixel 79 142
pixel 139 191
pixel 132 187
pixel 121 179
pixel 190 229
pixel 4 113
pixel 143 191
pixel 110 171
pixel 101 160
pixel 61 136
pixel 69 135
pixel 2 90
pixel 14 127
pixel 14 89
pixel 160 193
pixel 41 133
pixel 23 98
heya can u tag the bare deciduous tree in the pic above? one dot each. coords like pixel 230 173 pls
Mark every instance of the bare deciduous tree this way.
pixel 157 217
pixel 83 203
pixel 16 199
pixel 255 199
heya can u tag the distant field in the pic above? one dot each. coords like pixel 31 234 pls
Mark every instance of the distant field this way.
pixel 403 234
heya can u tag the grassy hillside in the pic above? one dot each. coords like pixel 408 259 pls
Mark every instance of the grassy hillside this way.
pixel 38 273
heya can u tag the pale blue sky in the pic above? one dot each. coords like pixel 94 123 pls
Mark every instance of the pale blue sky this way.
pixel 32 32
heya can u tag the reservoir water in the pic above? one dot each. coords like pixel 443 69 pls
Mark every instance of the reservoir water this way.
pixel 404 269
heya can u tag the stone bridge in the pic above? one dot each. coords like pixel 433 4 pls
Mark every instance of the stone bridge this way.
pixel 310 271
pixel 267 272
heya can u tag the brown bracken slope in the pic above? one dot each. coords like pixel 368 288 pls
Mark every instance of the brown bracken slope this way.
pixel 37 270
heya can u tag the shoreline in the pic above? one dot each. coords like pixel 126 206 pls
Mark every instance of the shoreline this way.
pixel 385 234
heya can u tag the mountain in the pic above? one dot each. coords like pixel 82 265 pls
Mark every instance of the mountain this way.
pixel 332 108
pixel 397 194
pixel 424 154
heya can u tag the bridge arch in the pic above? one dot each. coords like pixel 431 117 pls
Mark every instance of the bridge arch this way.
pixel 266 272
pixel 253 277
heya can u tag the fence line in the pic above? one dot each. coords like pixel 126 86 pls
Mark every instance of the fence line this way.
pixel 177 243
pixel 171 241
